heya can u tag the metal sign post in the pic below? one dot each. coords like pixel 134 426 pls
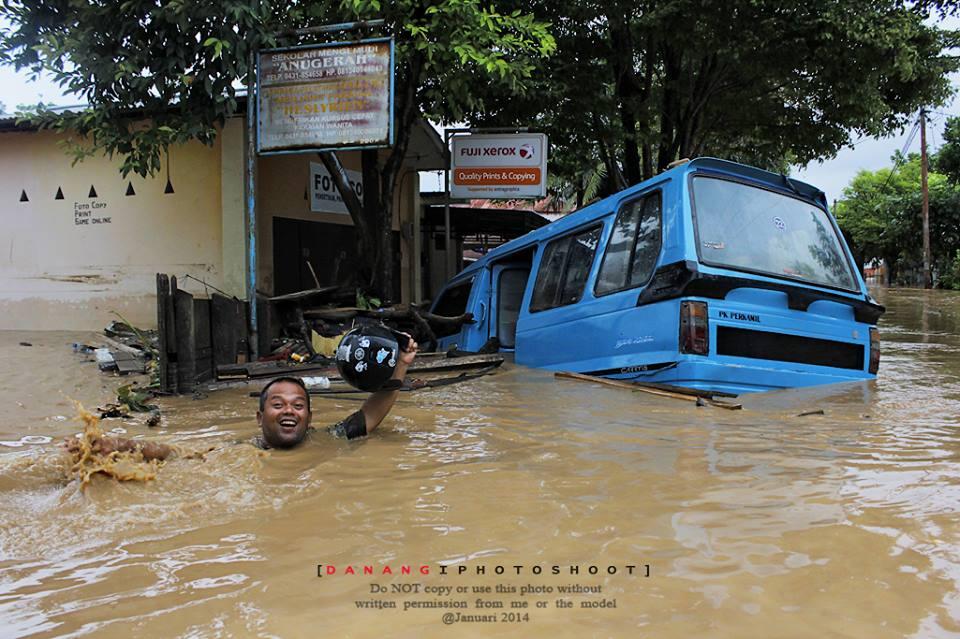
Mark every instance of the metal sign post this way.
pixel 251 181
pixel 291 69
pixel 447 251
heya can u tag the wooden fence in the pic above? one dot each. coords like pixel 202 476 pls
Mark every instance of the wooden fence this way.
pixel 197 335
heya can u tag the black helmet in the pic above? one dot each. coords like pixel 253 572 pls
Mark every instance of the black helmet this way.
pixel 367 356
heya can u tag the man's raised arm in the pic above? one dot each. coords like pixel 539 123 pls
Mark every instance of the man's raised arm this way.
pixel 376 407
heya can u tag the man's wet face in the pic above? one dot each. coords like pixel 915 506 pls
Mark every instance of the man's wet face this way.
pixel 285 416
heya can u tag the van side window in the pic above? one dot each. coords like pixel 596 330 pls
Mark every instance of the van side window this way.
pixel 453 302
pixel 633 248
pixel 563 270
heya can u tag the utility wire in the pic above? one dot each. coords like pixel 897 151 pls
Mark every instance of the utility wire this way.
pixel 911 137
pixel 903 151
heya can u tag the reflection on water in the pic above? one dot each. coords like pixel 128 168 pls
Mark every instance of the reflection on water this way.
pixel 754 523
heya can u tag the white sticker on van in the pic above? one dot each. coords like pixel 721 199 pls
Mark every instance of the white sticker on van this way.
pixel 628 341
pixel 779 223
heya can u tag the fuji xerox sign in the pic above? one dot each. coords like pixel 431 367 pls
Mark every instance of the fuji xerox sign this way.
pixel 502 166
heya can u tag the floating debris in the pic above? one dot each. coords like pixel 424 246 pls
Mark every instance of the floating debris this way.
pixel 135 400
pixel 91 457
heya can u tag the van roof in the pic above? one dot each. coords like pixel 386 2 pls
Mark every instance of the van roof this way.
pixel 602 207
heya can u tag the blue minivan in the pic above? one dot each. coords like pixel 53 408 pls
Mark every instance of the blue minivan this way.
pixel 712 275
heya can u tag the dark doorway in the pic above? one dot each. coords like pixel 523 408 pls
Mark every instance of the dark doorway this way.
pixel 330 248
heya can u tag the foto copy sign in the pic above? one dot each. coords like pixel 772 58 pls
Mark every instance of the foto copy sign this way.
pixel 501 166
pixel 324 195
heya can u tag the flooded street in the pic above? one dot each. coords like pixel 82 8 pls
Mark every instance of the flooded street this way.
pixel 696 521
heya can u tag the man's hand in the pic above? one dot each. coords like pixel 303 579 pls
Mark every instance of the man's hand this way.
pixel 376 407
pixel 410 353
pixel 406 358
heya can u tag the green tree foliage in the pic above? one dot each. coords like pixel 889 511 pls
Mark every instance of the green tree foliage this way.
pixel 637 84
pixel 948 158
pixel 882 214
pixel 177 67
pixel 139 56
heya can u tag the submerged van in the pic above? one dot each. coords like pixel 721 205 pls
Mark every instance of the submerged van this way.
pixel 712 275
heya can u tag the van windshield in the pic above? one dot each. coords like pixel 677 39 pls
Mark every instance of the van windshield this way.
pixel 752 229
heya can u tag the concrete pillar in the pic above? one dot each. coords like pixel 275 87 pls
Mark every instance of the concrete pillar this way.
pixel 232 207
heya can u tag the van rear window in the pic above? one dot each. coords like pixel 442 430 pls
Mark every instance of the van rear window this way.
pixel 751 229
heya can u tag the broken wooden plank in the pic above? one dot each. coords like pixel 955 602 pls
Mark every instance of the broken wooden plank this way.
pixel 302 295
pixel 163 300
pixel 173 362
pixel 203 344
pixel 127 363
pixel 116 346
pixel 186 340
pixel 408 385
pixel 256 370
pixel 642 389
pixel 683 390
pixel 228 319
pixel 456 363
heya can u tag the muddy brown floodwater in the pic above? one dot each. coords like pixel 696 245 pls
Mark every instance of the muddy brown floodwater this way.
pixel 755 523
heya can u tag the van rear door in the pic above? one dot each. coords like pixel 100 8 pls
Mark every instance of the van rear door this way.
pixel 781 274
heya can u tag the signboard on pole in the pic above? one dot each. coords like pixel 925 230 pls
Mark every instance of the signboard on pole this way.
pixel 499 166
pixel 332 96
pixel 324 195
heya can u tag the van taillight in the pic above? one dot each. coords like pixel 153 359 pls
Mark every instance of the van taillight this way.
pixel 874 351
pixel 694 328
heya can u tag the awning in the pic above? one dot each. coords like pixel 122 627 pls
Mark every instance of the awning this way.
pixel 464 220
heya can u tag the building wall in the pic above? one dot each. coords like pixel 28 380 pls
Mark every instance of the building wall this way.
pixel 71 263
pixel 233 203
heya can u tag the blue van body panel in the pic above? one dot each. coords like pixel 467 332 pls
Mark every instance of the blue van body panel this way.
pixel 635 333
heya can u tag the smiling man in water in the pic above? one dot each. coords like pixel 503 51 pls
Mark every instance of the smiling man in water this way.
pixel 284 416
